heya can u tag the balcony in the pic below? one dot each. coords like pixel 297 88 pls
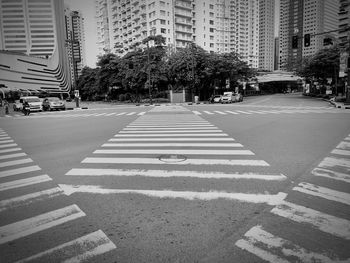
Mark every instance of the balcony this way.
pixel 183 13
pixel 183 5
pixel 183 21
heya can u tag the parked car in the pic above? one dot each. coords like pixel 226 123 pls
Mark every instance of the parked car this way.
pixel 33 101
pixel 17 105
pixel 53 103
pixel 228 97
pixel 217 99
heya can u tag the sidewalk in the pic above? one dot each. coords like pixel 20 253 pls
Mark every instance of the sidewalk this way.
pixel 339 105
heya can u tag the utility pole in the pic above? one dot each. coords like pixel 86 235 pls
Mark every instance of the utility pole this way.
pixel 149 74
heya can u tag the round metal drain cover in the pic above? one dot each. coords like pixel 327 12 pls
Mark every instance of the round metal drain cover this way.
pixel 172 158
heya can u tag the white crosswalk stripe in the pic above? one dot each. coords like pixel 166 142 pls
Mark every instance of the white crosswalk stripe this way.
pixel 87 246
pixel 324 222
pixel 273 249
pixel 38 223
pixel 20 176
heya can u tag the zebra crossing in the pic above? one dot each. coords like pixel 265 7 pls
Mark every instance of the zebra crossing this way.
pixel 247 112
pixel 18 175
pixel 181 146
pixel 78 114
pixel 273 248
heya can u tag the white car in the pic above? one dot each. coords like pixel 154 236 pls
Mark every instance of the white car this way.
pixel 34 102
pixel 228 97
pixel 217 99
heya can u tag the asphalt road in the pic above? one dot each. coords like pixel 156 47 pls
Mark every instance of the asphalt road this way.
pixel 263 180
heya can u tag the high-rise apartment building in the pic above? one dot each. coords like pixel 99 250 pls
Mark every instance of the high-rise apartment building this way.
pixel 33 55
pixel 344 22
pixel 266 34
pixel 75 42
pixel 300 17
pixel 102 16
pixel 217 26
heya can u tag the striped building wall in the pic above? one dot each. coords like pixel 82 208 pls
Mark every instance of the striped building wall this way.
pixel 22 71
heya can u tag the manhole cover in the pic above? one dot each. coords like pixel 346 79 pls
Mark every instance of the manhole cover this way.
pixel 172 158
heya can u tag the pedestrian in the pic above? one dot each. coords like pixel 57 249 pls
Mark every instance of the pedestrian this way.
pixel 26 108
pixel 6 107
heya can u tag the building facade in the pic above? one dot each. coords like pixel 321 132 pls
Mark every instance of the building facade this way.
pixel 344 23
pixel 217 26
pixel 102 17
pixel 28 27
pixel 266 35
pixel 75 42
pixel 300 17
pixel 33 56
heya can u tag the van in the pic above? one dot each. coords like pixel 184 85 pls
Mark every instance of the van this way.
pixel 34 102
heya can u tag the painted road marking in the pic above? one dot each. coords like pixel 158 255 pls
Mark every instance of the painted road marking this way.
pixel 207 128
pixel 141 113
pixel 324 222
pixel 172 135
pixel 227 162
pixel 22 170
pixel 24 182
pixel 169 125
pixel 332 162
pixel 8 145
pixel 110 114
pixel 331 174
pixel 208 112
pixel 29 198
pixel 196 112
pixel 87 247
pixel 244 112
pixel 15 162
pixel 323 192
pixel 38 223
pixel 257 241
pixel 175 151
pixel 211 195
pixel 341 152
pixel 5 141
pixel 169 139
pixel 4 138
pixel 220 112
pixel 10 150
pixel 232 112
pixel 173 173
pixel 172 131
pixel 131 113
pixel 14 155
pixel 172 145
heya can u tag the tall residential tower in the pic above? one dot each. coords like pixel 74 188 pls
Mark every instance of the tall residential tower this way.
pixel 300 17
pixel 216 26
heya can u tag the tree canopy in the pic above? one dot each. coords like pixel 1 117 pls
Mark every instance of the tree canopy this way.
pixel 190 67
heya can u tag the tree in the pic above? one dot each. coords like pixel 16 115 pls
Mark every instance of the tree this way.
pixel 87 83
pixel 324 64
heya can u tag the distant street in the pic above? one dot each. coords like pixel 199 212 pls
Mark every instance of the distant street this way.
pixel 264 180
